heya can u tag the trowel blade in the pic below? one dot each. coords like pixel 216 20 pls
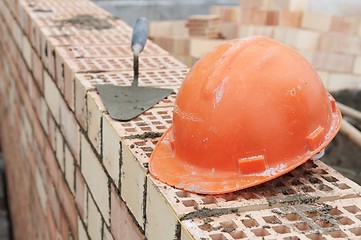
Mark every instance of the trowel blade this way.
pixel 125 103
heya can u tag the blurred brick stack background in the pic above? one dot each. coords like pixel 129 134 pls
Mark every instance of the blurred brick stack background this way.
pixel 330 42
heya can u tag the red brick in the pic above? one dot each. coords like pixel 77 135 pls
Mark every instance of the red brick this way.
pixel 35 36
pixel 67 202
pixel 54 204
pixel 51 130
pixel 253 16
pixel 34 93
pixel 64 227
pixel 340 43
pixel 333 62
pixel 48 57
pixel 51 225
pixel 80 193
pixel 38 71
pixel 52 164
pixel 345 24
pixel 59 70
pixel 289 18
pixel 69 86
pixel 70 128
pixel 122 224
pixel 39 134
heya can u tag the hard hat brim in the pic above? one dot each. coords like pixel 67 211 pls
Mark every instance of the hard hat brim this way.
pixel 168 168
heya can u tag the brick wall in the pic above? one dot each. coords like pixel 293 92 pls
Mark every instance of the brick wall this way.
pixel 75 173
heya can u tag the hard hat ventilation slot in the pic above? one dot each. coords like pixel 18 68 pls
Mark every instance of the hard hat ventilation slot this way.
pixel 253 164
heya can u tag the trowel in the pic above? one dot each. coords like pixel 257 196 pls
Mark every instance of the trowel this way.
pixel 126 102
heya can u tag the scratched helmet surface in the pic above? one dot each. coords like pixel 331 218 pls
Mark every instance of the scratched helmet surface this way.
pixel 247 112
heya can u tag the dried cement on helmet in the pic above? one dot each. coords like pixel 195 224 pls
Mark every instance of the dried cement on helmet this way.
pixel 270 171
pixel 186 116
pixel 219 91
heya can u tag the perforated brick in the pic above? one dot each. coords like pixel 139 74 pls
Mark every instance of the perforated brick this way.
pixel 141 148
pixel 41 9
pixel 312 182
pixel 123 63
pixel 150 124
pixel 80 40
pixel 64 19
pixel 155 78
pixel 106 51
pixel 328 220
pixel 66 27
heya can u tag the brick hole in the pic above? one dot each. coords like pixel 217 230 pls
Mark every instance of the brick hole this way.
pixel 148 129
pixel 356 231
pixel 315 236
pixel 314 180
pixel 335 211
pixel 189 203
pixel 323 223
pixel 272 220
pixel 206 227
pixel 218 236
pixel 310 164
pixel 288 175
pixel 209 200
pixel 312 214
pixel 352 209
pixel 229 197
pixel 142 143
pixel 279 184
pixel 238 234
pixel 281 229
pixel 296 182
pixel 228 224
pixel 307 189
pixel 288 191
pixel 324 187
pixel 161 127
pixel 250 223
pixel 292 217
pixel 147 149
pixel 345 221
pixel 291 238
pixel 319 171
pixel 130 129
pixel 183 194
pixel 338 234
pixel 358 217
pixel 302 226
pixel 343 186
pixel 268 194
pixel 330 178
pixel 248 196
pixel 261 232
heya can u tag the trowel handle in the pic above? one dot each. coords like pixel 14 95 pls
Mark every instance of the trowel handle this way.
pixel 140 35
pixel 139 38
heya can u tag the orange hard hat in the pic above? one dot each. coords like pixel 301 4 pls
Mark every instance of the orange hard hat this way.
pixel 247 112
